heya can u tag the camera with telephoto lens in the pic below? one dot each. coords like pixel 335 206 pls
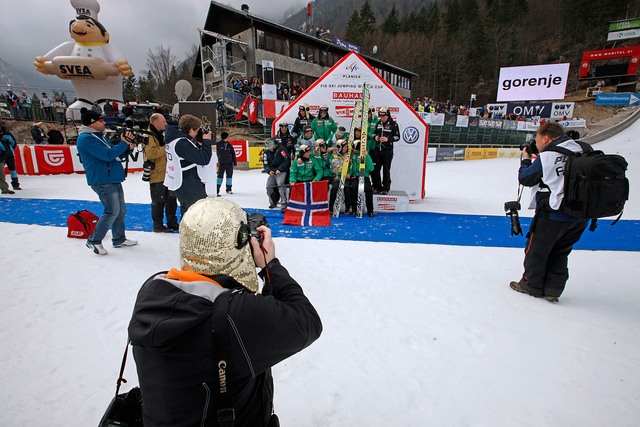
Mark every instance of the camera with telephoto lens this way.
pixel 140 136
pixel 512 208
pixel 530 145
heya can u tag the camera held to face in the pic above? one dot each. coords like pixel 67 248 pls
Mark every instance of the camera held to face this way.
pixel 512 208
pixel 530 146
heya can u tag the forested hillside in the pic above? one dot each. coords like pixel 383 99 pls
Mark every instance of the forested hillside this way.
pixel 458 46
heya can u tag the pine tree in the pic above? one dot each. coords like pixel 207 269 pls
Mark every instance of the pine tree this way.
pixel 433 20
pixel 354 29
pixel 367 18
pixel 130 88
pixel 391 24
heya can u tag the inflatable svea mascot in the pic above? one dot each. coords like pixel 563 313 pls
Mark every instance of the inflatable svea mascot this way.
pixel 94 67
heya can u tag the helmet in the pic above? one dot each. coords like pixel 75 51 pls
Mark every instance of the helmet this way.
pixel 355 145
pixel 320 142
pixel 383 111
pixel 323 108
pixel 304 106
pixel 283 124
pixel 269 144
pixel 209 241
pixel 340 144
pixel 306 129
pixel 303 149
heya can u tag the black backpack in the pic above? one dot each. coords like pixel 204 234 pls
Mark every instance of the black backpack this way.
pixel 595 185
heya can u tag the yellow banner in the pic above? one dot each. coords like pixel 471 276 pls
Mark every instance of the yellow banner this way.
pixel 255 157
pixel 480 153
pixel 509 152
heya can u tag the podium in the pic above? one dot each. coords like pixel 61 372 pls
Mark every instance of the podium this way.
pixel 395 201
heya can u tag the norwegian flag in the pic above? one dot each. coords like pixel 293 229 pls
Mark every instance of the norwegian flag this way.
pixel 253 110
pixel 242 108
pixel 308 204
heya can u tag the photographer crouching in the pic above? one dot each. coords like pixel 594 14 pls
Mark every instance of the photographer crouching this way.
pixel 552 233
pixel 189 376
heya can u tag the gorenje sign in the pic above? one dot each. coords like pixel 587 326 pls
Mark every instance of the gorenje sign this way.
pixel 531 83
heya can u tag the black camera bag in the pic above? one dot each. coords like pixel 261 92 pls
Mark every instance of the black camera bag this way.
pixel 595 185
pixel 125 409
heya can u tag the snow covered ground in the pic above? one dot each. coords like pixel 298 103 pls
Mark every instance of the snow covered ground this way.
pixel 414 335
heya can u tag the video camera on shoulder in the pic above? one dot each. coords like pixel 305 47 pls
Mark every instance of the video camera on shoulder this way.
pixel 140 136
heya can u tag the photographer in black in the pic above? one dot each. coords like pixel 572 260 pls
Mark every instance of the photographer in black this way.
pixel 552 233
pixel 183 379
pixel 163 201
pixel 188 161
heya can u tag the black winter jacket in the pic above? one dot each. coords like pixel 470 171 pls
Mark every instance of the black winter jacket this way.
pixel 276 160
pixel 389 129
pixel 172 345
pixel 226 153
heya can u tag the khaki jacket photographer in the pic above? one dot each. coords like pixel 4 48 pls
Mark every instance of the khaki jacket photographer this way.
pixel 154 150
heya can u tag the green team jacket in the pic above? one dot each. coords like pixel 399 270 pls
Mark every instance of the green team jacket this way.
pixel 371 143
pixel 322 165
pixel 324 128
pixel 305 172
pixel 354 166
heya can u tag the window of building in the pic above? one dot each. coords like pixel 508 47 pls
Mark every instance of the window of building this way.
pixel 295 50
pixel 260 37
pixel 278 45
pixel 268 42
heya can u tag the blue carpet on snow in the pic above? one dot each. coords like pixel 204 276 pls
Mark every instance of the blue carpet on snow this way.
pixel 410 227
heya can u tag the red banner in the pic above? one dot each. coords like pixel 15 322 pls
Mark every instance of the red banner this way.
pixel 308 204
pixel 52 160
pixel 241 149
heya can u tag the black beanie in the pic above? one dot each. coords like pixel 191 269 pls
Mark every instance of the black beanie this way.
pixel 89 117
pixel 224 135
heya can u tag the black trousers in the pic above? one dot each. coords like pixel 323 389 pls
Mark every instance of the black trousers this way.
pixel 163 202
pixel 222 169
pixel 351 194
pixel 549 244
pixel 189 193
pixel 382 161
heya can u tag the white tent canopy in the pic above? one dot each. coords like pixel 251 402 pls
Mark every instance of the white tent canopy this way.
pixel 341 87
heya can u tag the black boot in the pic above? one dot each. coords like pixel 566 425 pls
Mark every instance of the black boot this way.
pixel 15 184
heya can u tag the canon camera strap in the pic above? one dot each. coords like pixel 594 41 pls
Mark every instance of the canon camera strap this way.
pixel 225 413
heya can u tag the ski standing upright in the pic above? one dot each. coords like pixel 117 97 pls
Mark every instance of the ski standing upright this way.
pixel 363 147
pixel 337 205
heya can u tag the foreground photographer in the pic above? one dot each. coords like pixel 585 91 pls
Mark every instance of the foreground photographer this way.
pixel 182 378
pixel 552 233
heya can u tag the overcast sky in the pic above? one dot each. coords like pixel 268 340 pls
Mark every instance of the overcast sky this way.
pixel 33 27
